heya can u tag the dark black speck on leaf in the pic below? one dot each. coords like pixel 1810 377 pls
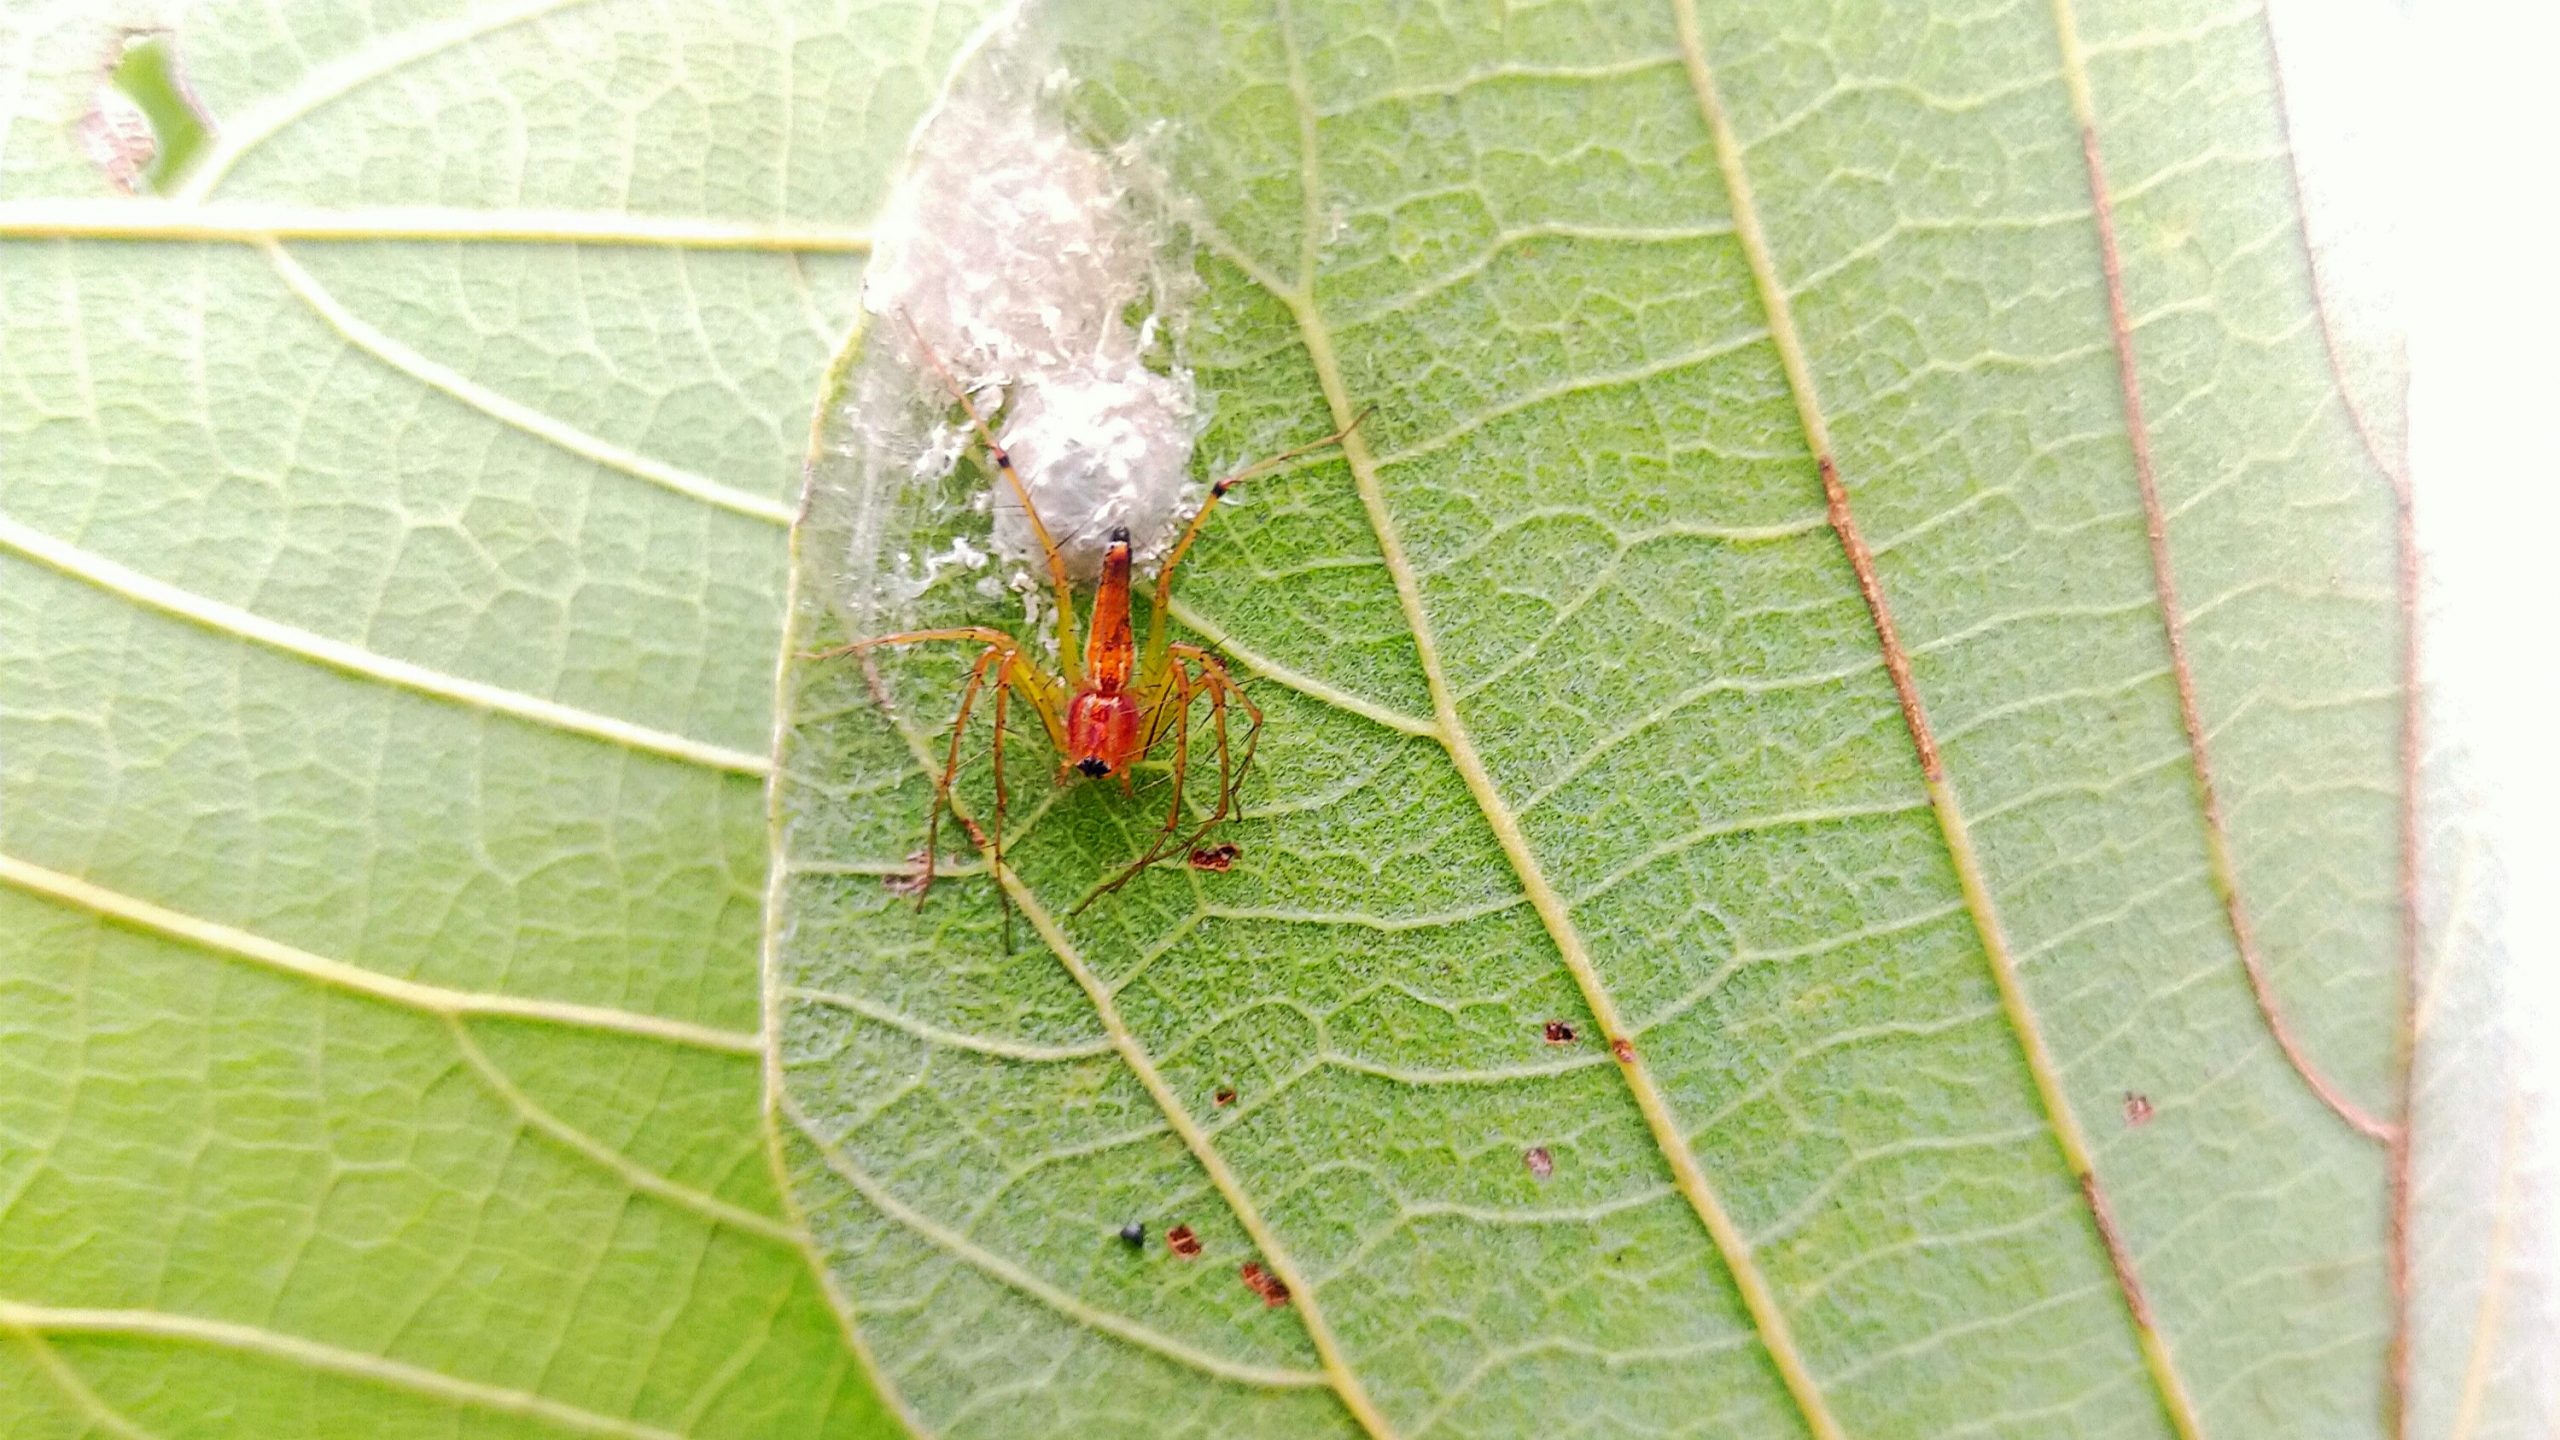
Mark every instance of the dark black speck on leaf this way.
pixel 1133 1234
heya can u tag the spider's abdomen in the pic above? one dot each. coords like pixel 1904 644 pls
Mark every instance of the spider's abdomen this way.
pixel 1102 733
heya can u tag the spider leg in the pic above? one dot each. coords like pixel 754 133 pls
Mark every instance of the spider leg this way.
pixel 1069 656
pixel 995 847
pixel 1200 517
pixel 1016 677
pixel 1223 690
pixel 1177 698
pixel 979 633
pixel 994 654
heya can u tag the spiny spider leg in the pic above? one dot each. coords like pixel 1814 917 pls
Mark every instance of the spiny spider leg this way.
pixel 1222 689
pixel 1214 681
pixel 1156 644
pixel 995 846
pixel 951 767
pixel 1013 672
pixel 1070 659
pixel 1176 702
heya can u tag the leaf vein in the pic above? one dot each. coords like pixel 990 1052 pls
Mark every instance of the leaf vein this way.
pixel 77 1390
pixel 1014 1277
pixel 1776 1338
pixel 436 376
pixel 343 76
pixel 329 1359
pixel 2060 1122
pixel 997 1046
pixel 639 1177
pixel 258 222
pixel 337 974
pixel 228 619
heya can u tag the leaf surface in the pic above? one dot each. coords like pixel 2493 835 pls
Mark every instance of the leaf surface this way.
pixel 1919 832
pixel 393 532
pixel 387 625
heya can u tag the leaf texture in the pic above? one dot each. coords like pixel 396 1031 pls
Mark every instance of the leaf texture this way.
pixel 387 625
pixel 1861 583
pixel 1874 579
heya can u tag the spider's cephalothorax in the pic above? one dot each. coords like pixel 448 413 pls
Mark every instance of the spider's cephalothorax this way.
pixel 1114 701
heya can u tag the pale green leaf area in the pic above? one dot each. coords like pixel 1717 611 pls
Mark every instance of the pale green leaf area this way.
pixel 1948 1108
pixel 2483 1321
pixel 386 637
pixel 394 560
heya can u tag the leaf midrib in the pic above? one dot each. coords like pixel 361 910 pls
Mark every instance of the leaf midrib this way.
pixel 1450 730
pixel 1688 1176
pixel 2072 1143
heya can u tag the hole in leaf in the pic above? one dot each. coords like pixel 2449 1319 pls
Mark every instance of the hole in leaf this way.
pixel 147 129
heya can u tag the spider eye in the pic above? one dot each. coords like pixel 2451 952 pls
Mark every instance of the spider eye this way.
pixel 1095 766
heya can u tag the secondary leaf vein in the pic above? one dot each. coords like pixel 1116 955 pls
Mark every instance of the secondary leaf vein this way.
pixel 337 974
pixel 330 1359
pixel 228 619
pixel 2041 1065
pixel 460 387
pixel 1776 1336
pixel 996 1267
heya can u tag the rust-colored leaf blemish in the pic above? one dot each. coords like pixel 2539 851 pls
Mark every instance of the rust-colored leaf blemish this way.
pixel 1225 1096
pixel 2137 1108
pixel 2117 1256
pixel 1559 1033
pixel 1217 859
pixel 1265 1284
pixel 1182 1241
pixel 1624 1049
pixel 1540 1163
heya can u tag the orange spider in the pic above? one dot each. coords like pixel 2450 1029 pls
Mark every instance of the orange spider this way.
pixel 1115 702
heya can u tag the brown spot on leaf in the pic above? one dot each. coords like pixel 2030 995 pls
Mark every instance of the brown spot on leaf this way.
pixel 1540 1163
pixel 1624 1049
pixel 2137 1108
pixel 1218 859
pixel 1559 1033
pixel 1182 1241
pixel 1225 1096
pixel 1265 1284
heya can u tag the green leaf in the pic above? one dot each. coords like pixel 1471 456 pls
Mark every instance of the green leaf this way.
pixel 392 562
pixel 1992 858
pixel 392 522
